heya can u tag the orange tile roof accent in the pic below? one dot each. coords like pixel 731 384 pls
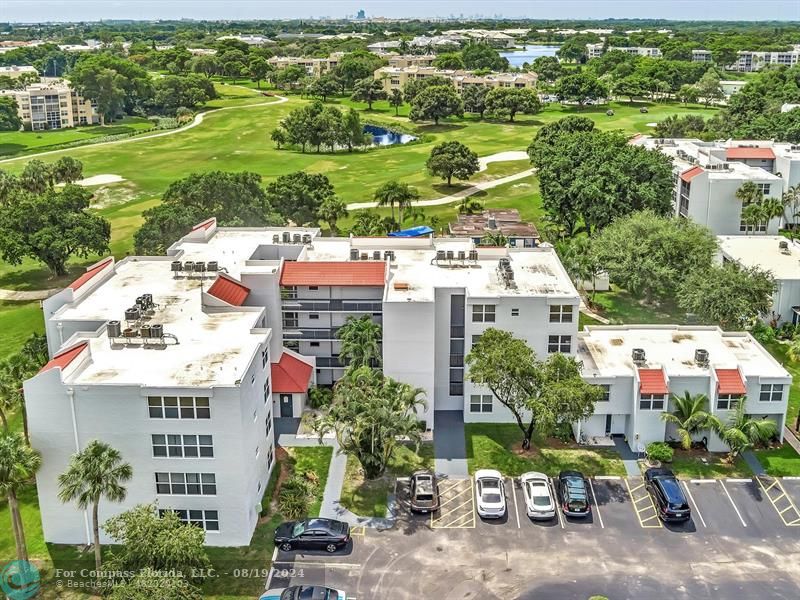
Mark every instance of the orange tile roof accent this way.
pixel 229 290
pixel 90 272
pixel 205 224
pixel 746 153
pixel 652 381
pixel 366 273
pixel 690 174
pixel 290 375
pixel 730 381
pixel 65 357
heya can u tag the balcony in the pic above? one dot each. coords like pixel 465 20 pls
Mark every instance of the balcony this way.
pixel 315 305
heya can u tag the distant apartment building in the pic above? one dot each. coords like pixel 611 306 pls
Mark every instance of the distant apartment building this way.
pixel 773 253
pixel 395 78
pixel 708 174
pixel 250 40
pixel 597 50
pixel 748 61
pixel 14 71
pixel 402 61
pixel 731 86
pixel 52 105
pixel 505 222
pixel 703 56
pixel 315 67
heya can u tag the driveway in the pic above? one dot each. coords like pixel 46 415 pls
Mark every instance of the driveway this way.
pixel 449 448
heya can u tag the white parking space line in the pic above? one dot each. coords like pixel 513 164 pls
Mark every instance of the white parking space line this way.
pixel 596 506
pixel 702 480
pixel 555 501
pixel 722 483
pixel 327 565
pixel 272 565
pixel 514 493
pixel 694 503
pixel 729 480
pixel 609 477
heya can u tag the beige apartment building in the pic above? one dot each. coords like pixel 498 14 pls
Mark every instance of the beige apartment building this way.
pixel 395 78
pixel 52 105
pixel 315 67
pixel 407 60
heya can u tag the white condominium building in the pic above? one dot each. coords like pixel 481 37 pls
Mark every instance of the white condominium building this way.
pixel 597 50
pixel 52 105
pixel 15 71
pixel 642 366
pixel 395 78
pixel 748 61
pixel 776 254
pixel 316 67
pixel 708 174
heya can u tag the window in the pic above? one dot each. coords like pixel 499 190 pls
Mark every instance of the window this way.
pixel 268 424
pixel 270 457
pixel 763 188
pixel 514 312
pixel 313 316
pixel 253 379
pixel 728 401
pixel 173 407
pixel 313 287
pixel 559 343
pixel 771 392
pixel 651 402
pixel 475 340
pixel 290 320
pixel 480 403
pixel 186 484
pixel 606 392
pixel 314 344
pixel 483 313
pixel 205 519
pixel 456 389
pixel 182 446
pixel 266 391
pixel 265 357
pixel 561 313
pixel 289 293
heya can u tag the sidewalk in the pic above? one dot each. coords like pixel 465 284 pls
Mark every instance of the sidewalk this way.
pixel 628 456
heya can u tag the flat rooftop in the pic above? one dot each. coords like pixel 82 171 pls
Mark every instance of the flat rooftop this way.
pixel 215 346
pixel 606 351
pixel 763 251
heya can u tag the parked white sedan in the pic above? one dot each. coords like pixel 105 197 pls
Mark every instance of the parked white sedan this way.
pixel 491 494
pixel 539 501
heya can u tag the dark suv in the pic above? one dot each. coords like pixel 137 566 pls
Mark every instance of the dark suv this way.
pixel 573 494
pixel 665 489
pixel 424 492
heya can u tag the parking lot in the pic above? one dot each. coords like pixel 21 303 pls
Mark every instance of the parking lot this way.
pixel 745 531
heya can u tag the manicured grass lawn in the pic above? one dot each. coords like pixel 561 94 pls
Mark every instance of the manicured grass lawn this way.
pixel 316 459
pixel 18 320
pixel 779 350
pixel 369 498
pixel 620 307
pixel 495 446
pixel 715 466
pixel 780 462
pixel 15 142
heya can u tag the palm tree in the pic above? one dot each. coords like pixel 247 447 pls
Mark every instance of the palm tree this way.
pixel 95 472
pixel 330 211
pixel 773 209
pixel 469 206
pixel 791 201
pixel 742 432
pixel 494 238
pixel 753 215
pixel 690 416
pixel 749 193
pixel 18 464
pixel 415 214
pixel 361 342
pixel 396 192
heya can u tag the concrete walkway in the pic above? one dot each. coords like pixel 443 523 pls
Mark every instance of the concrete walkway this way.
pixel 18 296
pixel 449 447
pixel 198 119
pixel 790 438
pixel 752 461
pixel 628 456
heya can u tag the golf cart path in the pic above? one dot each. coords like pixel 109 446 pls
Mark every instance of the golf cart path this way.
pixel 198 119
pixel 17 296
pixel 483 163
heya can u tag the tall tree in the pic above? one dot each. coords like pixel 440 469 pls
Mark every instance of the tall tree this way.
pixel 206 64
pixel 709 88
pixel 298 196
pixel 95 473
pixel 580 87
pixel 436 102
pixel 474 97
pixel 370 414
pixel 234 64
pixel 690 417
pixel 67 170
pixel 18 465
pixel 51 227
pixel 9 117
pixel 449 60
pixel 368 223
pixel 539 394
pixel 361 339
pixel 480 56
pixel 395 192
pixel 731 295
pixel 259 69
pixel 330 210
pixel 368 90
pixel 507 102
pixel 452 159
pixel 396 100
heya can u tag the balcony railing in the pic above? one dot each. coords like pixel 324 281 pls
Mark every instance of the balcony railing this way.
pixel 364 306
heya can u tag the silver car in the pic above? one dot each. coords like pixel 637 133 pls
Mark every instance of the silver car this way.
pixel 491 494
pixel 539 501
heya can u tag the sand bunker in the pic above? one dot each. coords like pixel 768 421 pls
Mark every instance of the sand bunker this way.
pixel 100 180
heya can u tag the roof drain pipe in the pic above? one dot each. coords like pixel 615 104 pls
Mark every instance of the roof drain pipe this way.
pixel 71 394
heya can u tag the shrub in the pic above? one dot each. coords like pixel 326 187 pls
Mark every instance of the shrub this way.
pixel 659 451
pixel 563 433
pixel 295 497
pixel 320 397
pixel 763 333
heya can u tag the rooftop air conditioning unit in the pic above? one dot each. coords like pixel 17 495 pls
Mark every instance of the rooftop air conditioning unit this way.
pixel 353 253
pixel 176 266
pixel 450 255
pixel 376 255
pixel 701 357
pixel 440 255
pixel 287 237
pixel 462 255
pixel 473 255
pixel 306 238
pixel 276 239
pixel 297 238
pixel 638 356
pixel 783 246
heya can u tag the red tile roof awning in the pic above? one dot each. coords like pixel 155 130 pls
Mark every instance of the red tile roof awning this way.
pixel 690 174
pixel 90 272
pixel 205 224
pixel 229 290
pixel 749 153
pixel 65 357
pixel 730 381
pixel 652 381
pixel 366 273
pixel 290 375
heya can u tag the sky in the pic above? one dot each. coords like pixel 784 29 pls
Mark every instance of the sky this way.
pixel 90 10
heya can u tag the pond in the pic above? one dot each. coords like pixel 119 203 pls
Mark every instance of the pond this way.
pixel 386 137
pixel 528 54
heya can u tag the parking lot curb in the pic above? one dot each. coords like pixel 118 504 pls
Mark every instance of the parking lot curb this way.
pixel 791 478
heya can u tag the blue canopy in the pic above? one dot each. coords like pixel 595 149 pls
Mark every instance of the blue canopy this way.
pixel 412 232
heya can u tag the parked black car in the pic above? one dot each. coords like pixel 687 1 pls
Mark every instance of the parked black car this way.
pixel 669 498
pixel 573 495
pixel 312 534
pixel 424 492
